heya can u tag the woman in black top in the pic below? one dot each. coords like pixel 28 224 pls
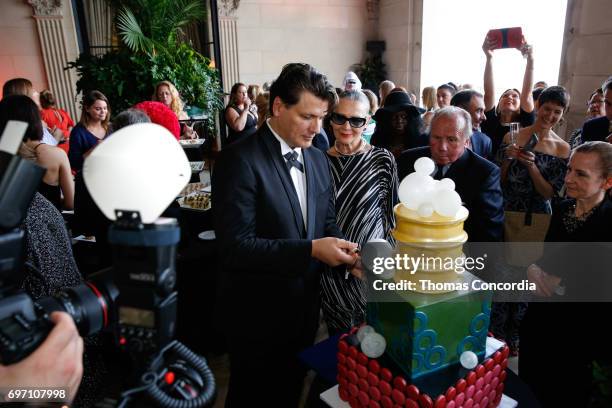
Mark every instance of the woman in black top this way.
pixel 559 341
pixel 399 125
pixel 240 114
pixel 513 106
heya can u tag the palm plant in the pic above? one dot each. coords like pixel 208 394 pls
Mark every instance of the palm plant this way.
pixel 152 51
pixel 156 24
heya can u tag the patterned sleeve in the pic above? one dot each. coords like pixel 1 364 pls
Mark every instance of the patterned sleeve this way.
pixel 392 196
pixel 50 264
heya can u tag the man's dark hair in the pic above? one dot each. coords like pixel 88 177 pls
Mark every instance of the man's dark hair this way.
pixel 296 78
pixel 22 108
pixel 555 94
pixel 463 98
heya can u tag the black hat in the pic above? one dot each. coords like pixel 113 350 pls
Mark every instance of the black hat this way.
pixel 400 101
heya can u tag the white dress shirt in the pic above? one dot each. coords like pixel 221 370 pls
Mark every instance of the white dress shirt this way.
pixel 298 177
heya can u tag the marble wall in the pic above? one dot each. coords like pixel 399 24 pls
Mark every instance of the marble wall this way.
pixel 329 34
pixel 586 58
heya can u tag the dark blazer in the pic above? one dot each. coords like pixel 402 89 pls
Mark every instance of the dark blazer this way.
pixel 269 278
pixel 595 129
pixel 481 144
pixel 321 141
pixel 477 182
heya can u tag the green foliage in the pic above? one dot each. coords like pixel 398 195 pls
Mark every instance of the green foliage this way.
pixel 118 74
pixel 153 26
pixel 371 72
pixel 152 52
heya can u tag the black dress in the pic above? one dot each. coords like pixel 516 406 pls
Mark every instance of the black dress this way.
pixel 250 127
pixel 496 130
pixel 559 341
pixel 51 268
pixel 51 193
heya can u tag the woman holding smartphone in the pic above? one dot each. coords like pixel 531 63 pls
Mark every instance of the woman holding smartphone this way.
pixel 532 173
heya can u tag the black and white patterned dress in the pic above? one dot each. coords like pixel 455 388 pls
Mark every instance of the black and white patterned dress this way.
pixel 519 191
pixel 365 187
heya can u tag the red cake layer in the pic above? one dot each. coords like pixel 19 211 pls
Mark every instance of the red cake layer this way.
pixel 363 382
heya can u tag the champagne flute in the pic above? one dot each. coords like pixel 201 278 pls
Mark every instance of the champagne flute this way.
pixel 514 131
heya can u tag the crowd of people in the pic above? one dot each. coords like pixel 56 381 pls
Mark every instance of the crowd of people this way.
pixel 506 176
pixel 289 219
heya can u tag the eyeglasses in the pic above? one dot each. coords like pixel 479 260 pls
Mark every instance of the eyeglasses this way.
pixel 340 120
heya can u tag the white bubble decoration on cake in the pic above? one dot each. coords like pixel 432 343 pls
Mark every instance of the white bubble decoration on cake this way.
pixel 468 360
pixel 418 191
pixel 373 345
pixel 364 331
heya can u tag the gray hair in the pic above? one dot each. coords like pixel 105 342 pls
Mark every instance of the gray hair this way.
pixel 356 96
pixel 129 117
pixel 456 113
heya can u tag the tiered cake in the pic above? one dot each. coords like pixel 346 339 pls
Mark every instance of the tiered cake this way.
pixel 426 331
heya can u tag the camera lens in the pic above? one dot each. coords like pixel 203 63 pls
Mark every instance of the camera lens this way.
pixel 86 304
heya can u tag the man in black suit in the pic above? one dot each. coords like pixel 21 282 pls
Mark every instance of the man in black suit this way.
pixel 600 128
pixel 473 102
pixel 275 223
pixel 476 179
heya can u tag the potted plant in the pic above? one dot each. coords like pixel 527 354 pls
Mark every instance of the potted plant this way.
pixel 152 50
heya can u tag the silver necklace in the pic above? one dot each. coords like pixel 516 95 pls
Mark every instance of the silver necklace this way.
pixel 359 149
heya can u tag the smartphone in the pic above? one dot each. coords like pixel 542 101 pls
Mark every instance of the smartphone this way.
pixel 511 37
pixel 530 145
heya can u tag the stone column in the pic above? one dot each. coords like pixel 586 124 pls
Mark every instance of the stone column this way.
pixel 228 35
pixel 49 23
pixel 99 16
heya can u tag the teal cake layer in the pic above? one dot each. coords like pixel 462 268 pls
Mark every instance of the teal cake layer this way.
pixel 426 333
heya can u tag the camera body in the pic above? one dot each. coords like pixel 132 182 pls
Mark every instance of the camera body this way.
pixel 134 300
pixel 144 273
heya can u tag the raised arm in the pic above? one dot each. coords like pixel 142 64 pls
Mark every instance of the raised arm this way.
pixel 489 85
pixel 526 96
pixel 238 121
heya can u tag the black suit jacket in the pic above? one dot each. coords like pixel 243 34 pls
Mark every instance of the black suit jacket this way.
pixel 477 181
pixel 270 279
pixel 596 129
pixel 482 145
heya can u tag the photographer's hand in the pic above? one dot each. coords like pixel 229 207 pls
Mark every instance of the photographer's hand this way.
pixel 58 362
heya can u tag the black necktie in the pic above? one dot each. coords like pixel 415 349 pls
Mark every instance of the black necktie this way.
pixel 440 173
pixel 292 161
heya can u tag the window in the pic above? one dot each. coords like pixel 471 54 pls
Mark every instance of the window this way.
pixel 453 33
